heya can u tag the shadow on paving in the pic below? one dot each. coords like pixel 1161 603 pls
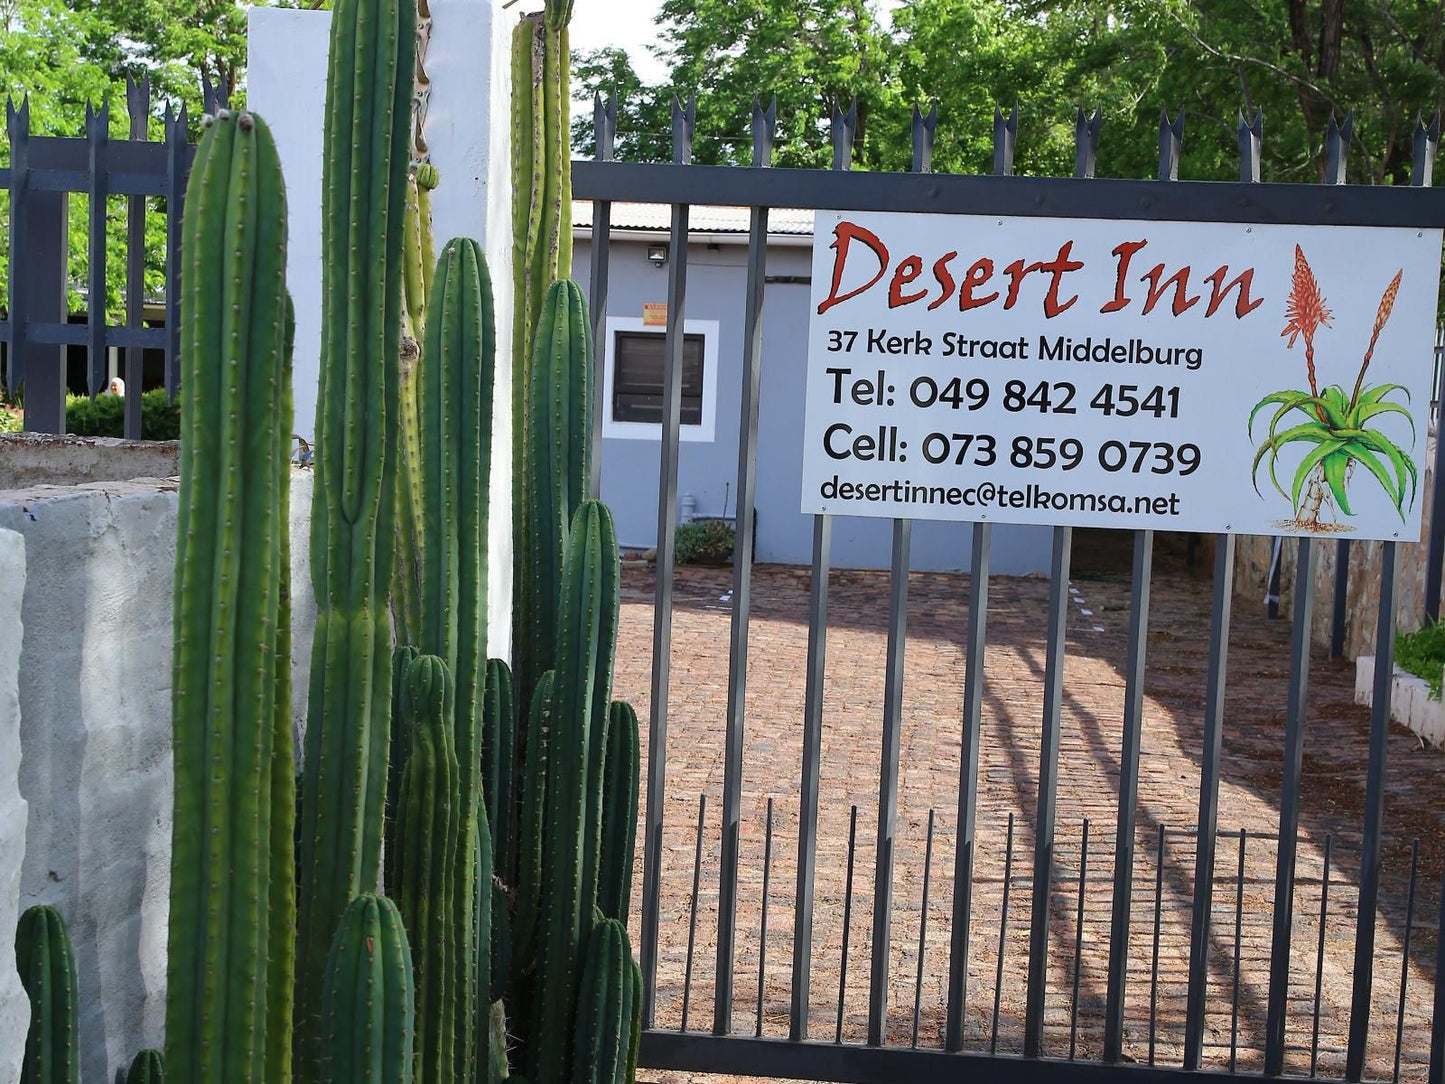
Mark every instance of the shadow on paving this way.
pixel 1091 728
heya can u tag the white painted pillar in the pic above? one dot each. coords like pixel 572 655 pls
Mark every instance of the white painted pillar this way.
pixel 468 132
pixel 14 1008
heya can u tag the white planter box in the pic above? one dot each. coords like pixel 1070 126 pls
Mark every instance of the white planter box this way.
pixel 1410 701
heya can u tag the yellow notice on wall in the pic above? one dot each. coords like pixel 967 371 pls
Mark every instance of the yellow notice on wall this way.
pixel 654 314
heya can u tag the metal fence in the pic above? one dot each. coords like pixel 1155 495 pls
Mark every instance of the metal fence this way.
pixel 43 173
pixel 965 1038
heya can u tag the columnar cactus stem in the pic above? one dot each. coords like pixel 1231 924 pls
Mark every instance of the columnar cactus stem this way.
pixel 427 858
pixel 586 631
pixel 555 468
pixel 231 916
pixel 47 971
pixel 498 735
pixel 146 1068
pixel 369 1001
pixel 541 245
pixel 619 812
pixel 368 120
pixel 606 1003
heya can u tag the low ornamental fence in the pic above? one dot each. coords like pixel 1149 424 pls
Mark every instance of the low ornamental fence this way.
pixel 43 173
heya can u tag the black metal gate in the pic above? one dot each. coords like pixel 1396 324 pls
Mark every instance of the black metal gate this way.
pixel 1171 1001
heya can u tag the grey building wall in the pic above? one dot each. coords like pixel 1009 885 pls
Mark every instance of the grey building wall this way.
pixel 716 280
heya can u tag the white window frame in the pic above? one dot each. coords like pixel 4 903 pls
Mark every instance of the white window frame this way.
pixel 703 433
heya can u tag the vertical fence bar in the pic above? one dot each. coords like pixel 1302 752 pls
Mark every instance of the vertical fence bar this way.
pixel 1048 793
pixel 843 128
pixel 978 571
pixel 692 912
pixel 1422 173
pixel 1405 954
pixel 763 925
pixel 1289 803
pixel 888 783
pixel 1238 945
pixel 847 920
pixel 42 279
pixel 1195 1004
pixel 1337 148
pixel 763 128
pixel 97 139
pixel 1369 896
pixel 604 136
pixel 1128 795
pixel 808 796
pixel 1320 956
pixel 137 95
pixel 1154 959
pixel 1437 1021
pixel 17 126
pixel 177 150
pixel 682 129
pixel 1079 942
pixel 922 930
pixel 1008 876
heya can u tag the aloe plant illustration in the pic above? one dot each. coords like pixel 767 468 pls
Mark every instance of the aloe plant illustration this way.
pixel 1339 430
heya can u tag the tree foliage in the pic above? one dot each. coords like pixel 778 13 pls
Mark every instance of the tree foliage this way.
pixel 1297 60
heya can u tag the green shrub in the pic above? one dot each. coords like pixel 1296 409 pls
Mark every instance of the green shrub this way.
pixel 11 421
pixel 104 416
pixel 703 540
pixel 1422 653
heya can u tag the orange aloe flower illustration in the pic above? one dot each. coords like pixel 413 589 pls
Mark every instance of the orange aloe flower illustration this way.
pixel 1305 312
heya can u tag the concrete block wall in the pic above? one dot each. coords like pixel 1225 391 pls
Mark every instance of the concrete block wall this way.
pixel 94 694
pixel 14 1009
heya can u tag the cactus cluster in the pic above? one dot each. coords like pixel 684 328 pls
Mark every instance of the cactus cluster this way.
pixel 498 805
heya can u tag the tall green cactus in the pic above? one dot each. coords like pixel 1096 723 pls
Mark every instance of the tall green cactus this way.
pixel 498 736
pixel 606 1004
pixel 231 919
pixel 47 971
pixel 369 1001
pixel 541 254
pixel 365 159
pixel 586 635
pixel 619 812
pixel 555 471
pixel 147 1067
pixel 427 856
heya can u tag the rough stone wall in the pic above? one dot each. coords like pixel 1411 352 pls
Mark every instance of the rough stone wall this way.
pixel 1251 574
pixel 14 1008
pixel 45 459
pixel 95 763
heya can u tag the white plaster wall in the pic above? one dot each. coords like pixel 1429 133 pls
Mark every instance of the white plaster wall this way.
pixel 95 738
pixel 468 133
pixel 14 1008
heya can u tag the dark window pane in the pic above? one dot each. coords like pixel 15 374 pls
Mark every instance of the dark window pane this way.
pixel 637 377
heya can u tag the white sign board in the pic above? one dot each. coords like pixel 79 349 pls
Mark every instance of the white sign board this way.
pixel 1219 377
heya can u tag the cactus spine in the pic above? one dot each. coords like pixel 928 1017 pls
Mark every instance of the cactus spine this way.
pixel 231 877
pixel 146 1068
pixel 619 812
pixel 47 971
pixel 609 995
pixel 365 159
pixel 368 1001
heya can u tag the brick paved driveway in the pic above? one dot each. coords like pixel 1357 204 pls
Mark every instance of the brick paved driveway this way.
pixel 1092 718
